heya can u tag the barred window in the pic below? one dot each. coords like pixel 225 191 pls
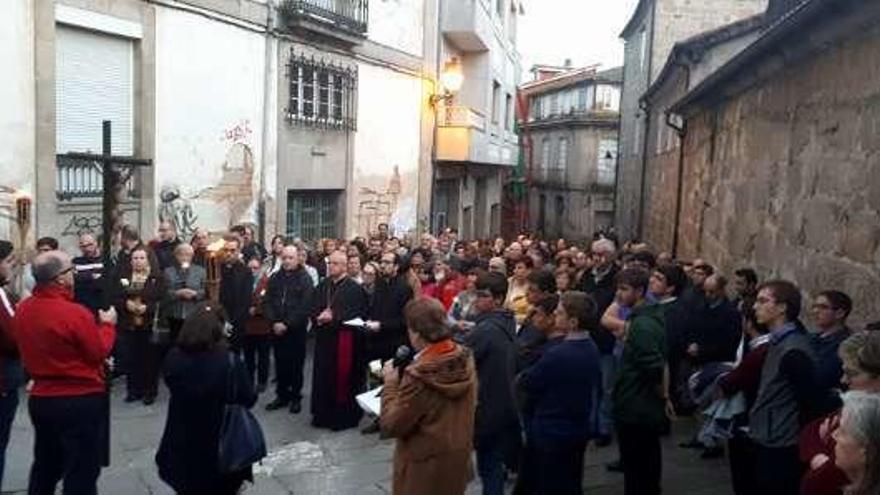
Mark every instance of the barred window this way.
pixel 322 94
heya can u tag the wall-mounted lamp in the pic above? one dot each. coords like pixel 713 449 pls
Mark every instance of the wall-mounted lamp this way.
pixel 451 80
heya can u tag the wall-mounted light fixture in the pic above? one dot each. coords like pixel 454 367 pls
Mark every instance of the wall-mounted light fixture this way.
pixel 451 79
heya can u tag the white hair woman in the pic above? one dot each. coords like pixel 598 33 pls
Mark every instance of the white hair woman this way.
pixel 857 452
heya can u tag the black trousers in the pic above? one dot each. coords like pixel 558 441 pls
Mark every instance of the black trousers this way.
pixel 139 356
pixel 778 471
pixel 641 458
pixel 560 467
pixel 68 443
pixel 256 357
pixel 290 355
pixel 741 452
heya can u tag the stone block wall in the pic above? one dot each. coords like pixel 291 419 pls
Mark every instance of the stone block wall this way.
pixel 785 176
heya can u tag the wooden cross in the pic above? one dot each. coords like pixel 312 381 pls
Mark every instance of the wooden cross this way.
pixel 114 187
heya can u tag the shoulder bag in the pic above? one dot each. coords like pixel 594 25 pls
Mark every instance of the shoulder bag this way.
pixel 241 438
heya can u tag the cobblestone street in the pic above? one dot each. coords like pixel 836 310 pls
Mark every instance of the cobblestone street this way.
pixel 304 460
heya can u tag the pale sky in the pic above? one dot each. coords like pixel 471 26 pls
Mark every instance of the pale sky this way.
pixel 586 31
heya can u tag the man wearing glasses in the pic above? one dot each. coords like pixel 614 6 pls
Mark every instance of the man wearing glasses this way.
pixel 829 312
pixel 89 273
pixel 64 351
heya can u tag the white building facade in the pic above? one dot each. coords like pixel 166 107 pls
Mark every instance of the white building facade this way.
pixel 309 118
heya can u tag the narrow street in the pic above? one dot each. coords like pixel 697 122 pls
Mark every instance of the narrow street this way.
pixel 306 461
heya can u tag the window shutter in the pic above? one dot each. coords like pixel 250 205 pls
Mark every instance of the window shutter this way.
pixel 93 83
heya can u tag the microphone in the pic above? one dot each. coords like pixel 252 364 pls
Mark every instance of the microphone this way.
pixel 402 358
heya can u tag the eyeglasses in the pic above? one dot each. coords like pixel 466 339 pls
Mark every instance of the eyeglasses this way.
pixel 483 293
pixel 65 271
pixel 386 262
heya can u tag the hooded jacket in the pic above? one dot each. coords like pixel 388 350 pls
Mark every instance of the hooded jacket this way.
pixel 431 413
pixel 493 342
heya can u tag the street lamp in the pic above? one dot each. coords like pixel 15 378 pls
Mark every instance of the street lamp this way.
pixel 451 80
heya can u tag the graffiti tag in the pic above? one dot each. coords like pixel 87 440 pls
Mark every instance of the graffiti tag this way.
pixel 239 133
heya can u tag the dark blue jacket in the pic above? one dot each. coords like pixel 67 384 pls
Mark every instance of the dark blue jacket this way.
pixel 829 367
pixel 560 386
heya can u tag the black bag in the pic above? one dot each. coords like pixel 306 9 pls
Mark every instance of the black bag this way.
pixel 241 438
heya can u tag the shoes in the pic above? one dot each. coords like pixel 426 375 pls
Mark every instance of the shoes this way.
pixel 132 398
pixel 261 388
pixel 295 407
pixel 692 444
pixel 712 453
pixel 149 400
pixel 277 404
pixel 603 441
pixel 371 428
pixel 615 466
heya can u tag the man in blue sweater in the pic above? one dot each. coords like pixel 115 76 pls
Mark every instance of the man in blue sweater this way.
pixel 561 385
pixel 829 312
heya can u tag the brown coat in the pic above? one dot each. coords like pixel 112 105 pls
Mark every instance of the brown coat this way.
pixel 431 414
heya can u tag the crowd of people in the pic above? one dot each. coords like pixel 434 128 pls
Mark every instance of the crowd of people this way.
pixel 521 352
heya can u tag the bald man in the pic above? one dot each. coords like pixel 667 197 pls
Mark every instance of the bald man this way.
pixel 64 351
pixel 287 306
pixel 339 349
pixel 89 273
pixel 163 245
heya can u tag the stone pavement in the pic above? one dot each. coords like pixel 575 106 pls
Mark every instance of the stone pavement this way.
pixel 307 461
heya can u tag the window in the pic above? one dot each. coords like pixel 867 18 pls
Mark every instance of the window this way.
pixel 496 101
pixel 562 155
pixel 508 111
pixel 607 98
pixel 93 73
pixel 321 94
pixel 554 104
pixel 499 8
pixel 607 161
pixel 582 98
pixel 545 153
pixel 312 215
pixel 643 48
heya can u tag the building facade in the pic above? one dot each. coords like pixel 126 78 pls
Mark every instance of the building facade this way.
pixel 780 148
pixel 649 36
pixel 572 125
pixel 476 144
pixel 308 118
pixel 689 63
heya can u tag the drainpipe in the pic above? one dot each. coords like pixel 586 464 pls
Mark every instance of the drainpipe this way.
pixel 268 74
pixel 439 41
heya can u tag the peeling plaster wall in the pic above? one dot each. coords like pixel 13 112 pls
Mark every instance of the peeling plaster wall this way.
pixel 17 112
pixel 385 182
pixel 209 120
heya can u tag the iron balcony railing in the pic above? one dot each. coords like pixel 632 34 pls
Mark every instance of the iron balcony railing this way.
pixel 349 15
pixel 77 178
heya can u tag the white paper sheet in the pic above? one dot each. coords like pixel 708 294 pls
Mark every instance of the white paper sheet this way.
pixel 355 322
pixel 371 401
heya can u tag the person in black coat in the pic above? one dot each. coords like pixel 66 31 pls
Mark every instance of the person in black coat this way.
pixel 600 284
pixel 236 284
pixel 386 329
pixel 199 377
pixel 720 326
pixel 287 307
pixel 339 349
pixel 493 342
pixel 163 246
pixel 90 287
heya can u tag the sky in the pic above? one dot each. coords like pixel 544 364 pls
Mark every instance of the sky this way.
pixel 586 31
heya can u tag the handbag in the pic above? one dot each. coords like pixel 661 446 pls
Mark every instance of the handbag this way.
pixel 241 437
pixel 161 333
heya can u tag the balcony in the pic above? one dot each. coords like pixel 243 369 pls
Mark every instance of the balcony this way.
pixel 467 25
pixel 462 137
pixel 81 179
pixel 343 19
pixel 553 177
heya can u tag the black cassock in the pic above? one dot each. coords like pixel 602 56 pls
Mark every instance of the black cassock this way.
pixel 339 372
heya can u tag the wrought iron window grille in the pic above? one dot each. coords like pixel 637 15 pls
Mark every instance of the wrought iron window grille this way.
pixel 321 94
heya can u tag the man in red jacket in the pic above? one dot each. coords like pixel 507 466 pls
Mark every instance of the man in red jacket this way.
pixel 64 350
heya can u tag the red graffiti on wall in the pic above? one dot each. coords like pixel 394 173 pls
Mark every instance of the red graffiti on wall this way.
pixel 239 133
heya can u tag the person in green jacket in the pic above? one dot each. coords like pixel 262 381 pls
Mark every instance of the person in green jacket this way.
pixel 641 406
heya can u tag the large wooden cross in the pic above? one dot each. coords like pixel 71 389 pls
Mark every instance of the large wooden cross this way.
pixel 114 187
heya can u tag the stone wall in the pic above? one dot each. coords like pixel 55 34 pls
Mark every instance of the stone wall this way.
pixel 785 177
